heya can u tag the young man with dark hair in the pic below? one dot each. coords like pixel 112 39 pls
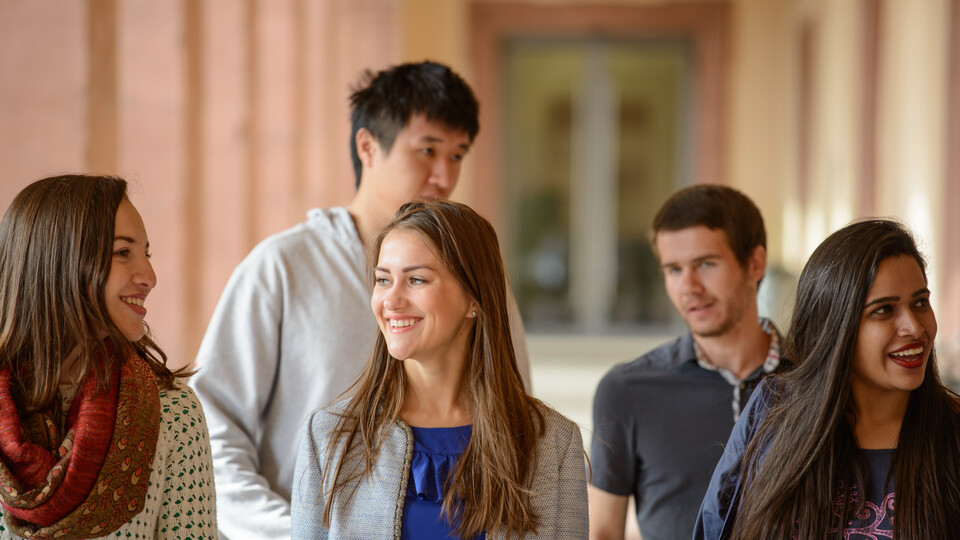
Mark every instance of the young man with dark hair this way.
pixel 294 328
pixel 660 421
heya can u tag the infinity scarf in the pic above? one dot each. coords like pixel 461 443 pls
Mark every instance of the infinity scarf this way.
pixel 89 478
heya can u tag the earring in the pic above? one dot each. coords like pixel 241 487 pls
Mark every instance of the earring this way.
pixel 474 313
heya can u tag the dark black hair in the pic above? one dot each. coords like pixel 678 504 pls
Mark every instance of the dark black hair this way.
pixel 804 456
pixel 384 102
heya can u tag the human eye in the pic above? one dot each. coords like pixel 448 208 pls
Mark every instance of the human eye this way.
pixel 428 151
pixel 922 303
pixel 882 309
pixel 456 158
pixel 416 280
pixel 121 252
pixel 671 270
pixel 381 281
pixel 707 264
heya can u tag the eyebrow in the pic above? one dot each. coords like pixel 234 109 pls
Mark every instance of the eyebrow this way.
pixel 694 261
pixel 128 240
pixel 433 139
pixel 895 298
pixel 405 269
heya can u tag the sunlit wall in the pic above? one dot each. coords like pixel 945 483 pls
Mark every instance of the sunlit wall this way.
pixel 230 117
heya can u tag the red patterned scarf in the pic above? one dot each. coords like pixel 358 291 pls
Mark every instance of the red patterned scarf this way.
pixel 90 477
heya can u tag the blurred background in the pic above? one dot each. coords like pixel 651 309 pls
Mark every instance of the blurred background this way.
pixel 230 119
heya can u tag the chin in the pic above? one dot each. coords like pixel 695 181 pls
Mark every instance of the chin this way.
pixel 134 337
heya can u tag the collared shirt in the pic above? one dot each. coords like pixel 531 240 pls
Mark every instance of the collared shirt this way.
pixel 770 363
pixel 660 424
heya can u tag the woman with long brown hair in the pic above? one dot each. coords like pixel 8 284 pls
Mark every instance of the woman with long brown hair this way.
pixel 860 439
pixel 439 437
pixel 97 436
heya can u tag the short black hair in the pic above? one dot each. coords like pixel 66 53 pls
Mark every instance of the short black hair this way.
pixel 715 207
pixel 384 102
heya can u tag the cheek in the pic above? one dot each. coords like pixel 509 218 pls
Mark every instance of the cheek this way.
pixel 114 281
pixel 870 344
pixel 930 325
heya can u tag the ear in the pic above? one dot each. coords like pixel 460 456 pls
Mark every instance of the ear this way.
pixel 367 147
pixel 473 311
pixel 757 263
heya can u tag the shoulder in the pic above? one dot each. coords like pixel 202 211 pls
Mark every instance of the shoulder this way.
pixel 324 229
pixel 324 420
pixel 654 363
pixel 180 409
pixel 557 427
pixel 322 423
pixel 763 399
pixel 180 399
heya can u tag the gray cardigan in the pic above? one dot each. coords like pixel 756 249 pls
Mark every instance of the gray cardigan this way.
pixel 559 484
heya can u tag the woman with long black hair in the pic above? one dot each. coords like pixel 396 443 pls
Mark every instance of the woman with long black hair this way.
pixel 860 439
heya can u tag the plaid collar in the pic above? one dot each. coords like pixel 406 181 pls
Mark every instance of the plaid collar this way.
pixel 770 363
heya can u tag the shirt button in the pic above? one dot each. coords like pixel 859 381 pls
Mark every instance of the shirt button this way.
pixel 743 386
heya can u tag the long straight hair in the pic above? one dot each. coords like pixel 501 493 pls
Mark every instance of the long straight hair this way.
pixel 804 457
pixel 56 249
pixel 488 489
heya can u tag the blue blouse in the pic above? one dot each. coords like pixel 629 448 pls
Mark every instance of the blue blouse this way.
pixel 435 453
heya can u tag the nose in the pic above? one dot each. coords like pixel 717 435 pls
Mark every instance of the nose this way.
pixel 394 298
pixel 444 174
pixel 144 276
pixel 910 325
pixel 690 282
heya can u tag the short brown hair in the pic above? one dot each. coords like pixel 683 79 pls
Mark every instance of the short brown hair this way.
pixel 714 207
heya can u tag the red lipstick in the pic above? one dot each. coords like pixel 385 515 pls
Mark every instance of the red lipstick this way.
pixel 909 356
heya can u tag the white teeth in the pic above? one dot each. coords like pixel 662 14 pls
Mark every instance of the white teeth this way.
pixel 133 300
pixel 397 323
pixel 909 352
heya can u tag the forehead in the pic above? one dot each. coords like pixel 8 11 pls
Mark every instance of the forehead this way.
pixel 129 223
pixel 419 126
pixel 406 247
pixel 900 275
pixel 692 243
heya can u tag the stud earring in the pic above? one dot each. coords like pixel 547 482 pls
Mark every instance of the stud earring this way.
pixel 474 313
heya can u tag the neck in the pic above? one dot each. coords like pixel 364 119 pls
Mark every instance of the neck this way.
pixel 70 373
pixel 432 397
pixel 877 416
pixel 369 214
pixel 741 350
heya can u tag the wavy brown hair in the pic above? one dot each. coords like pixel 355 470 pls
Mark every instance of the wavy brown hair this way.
pixel 488 489
pixel 804 453
pixel 56 248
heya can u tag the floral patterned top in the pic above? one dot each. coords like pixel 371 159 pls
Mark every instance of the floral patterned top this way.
pixel 873 522
pixel 180 500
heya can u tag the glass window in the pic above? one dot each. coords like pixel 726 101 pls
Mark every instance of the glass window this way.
pixel 598 135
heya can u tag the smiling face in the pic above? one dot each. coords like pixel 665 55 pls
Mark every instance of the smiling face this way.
pixel 709 288
pixel 897 329
pixel 424 162
pixel 131 276
pixel 421 308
